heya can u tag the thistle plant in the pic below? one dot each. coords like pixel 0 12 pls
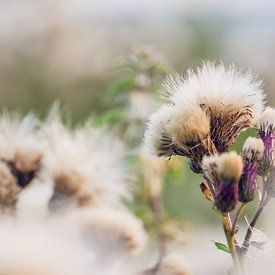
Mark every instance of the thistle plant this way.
pixel 203 115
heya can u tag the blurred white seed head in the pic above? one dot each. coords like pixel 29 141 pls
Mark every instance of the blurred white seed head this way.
pixel 253 149
pixel 29 248
pixel 20 147
pixel 266 121
pixel 230 166
pixel 174 264
pixel 116 230
pixel 86 164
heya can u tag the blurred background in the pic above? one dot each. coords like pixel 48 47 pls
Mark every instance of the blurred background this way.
pixel 108 58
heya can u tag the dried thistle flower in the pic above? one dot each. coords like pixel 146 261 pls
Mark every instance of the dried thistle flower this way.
pixel 232 100
pixel 252 154
pixel 266 126
pixel 224 172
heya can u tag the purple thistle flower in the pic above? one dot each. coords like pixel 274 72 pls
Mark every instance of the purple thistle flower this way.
pixel 248 185
pixel 252 154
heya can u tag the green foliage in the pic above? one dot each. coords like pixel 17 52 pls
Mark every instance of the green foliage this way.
pixel 221 246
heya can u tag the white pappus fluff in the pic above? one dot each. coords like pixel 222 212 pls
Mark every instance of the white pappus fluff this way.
pixel 211 84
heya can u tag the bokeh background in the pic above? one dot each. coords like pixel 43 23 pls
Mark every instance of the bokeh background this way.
pixel 108 58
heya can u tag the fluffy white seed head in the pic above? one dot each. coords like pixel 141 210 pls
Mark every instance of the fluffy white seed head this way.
pixel 253 149
pixel 213 85
pixel 266 121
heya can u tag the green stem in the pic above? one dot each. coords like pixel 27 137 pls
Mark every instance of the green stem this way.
pixel 230 238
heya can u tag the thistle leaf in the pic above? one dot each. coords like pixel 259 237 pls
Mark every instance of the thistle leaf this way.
pixel 222 246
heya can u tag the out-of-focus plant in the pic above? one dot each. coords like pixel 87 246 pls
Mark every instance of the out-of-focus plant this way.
pixel 132 98
pixel 201 119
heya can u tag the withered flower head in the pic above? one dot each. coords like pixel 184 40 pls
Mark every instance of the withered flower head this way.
pixel 252 154
pixel 224 172
pixel 232 100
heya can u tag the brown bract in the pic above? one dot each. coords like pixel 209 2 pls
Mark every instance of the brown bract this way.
pixel 191 133
pixel 226 123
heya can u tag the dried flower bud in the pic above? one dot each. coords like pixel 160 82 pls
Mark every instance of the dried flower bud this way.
pixel 266 125
pixel 252 154
pixel 229 169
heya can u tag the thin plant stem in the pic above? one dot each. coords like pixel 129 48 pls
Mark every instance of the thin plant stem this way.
pixel 263 202
pixel 230 238
pixel 237 217
pixel 246 242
